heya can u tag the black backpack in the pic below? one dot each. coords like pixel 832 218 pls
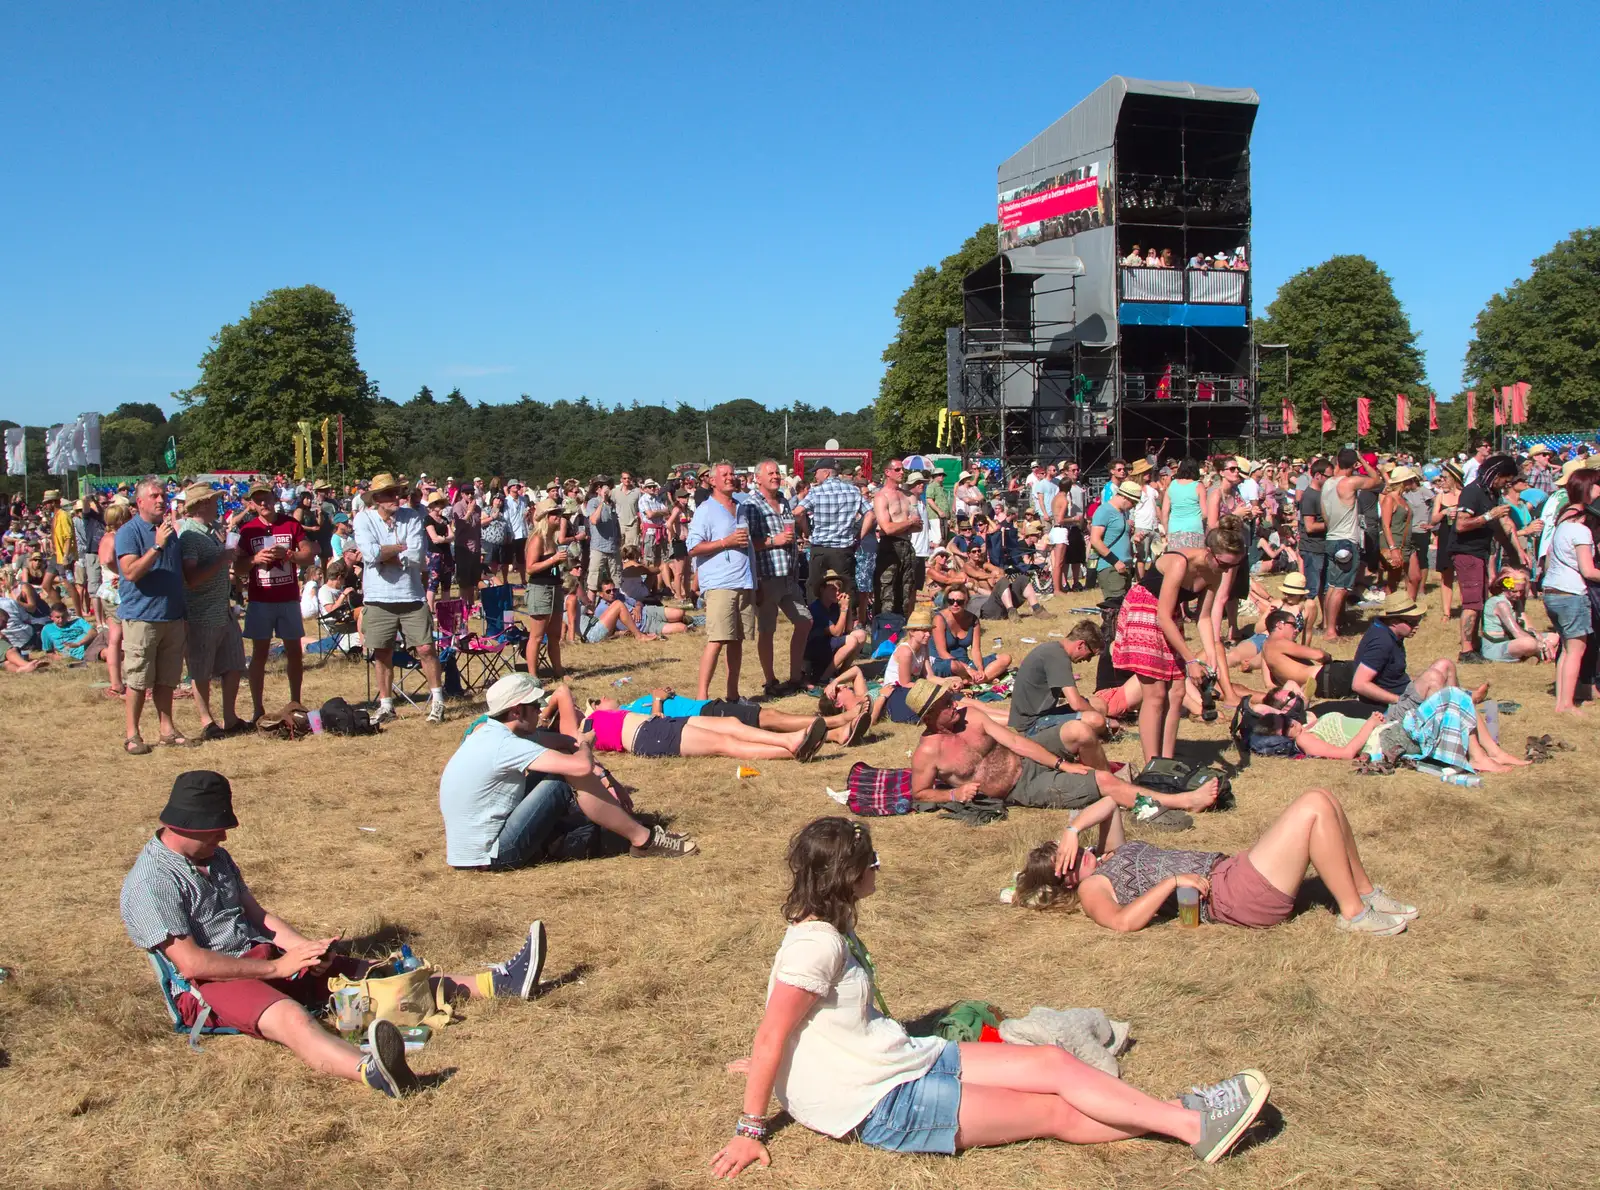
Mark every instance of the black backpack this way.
pixel 1180 776
pixel 340 718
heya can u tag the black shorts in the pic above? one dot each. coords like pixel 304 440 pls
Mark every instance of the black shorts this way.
pixel 659 736
pixel 1077 546
pixel 1334 680
pixel 745 712
pixel 896 707
pixel 680 550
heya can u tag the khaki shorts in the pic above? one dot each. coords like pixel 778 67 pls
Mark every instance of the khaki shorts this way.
pixel 540 599
pixel 730 615
pixel 382 624
pixel 152 653
pixel 215 649
pixel 781 594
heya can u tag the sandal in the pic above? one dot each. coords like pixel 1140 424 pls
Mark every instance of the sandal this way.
pixel 134 746
pixel 212 731
pixel 859 729
pixel 1367 767
pixel 816 734
pixel 113 692
pixel 177 740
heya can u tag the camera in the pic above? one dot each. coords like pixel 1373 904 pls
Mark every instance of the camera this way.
pixel 1208 697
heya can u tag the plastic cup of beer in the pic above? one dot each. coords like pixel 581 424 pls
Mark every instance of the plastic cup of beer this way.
pixel 1188 906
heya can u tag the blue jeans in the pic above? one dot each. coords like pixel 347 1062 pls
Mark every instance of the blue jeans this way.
pixel 549 810
pixel 1315 567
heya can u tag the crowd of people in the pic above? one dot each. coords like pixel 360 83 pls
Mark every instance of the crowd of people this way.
pixel 889 569
pixel 1151 258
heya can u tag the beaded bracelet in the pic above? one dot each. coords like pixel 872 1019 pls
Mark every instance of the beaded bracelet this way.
pixel 753 1127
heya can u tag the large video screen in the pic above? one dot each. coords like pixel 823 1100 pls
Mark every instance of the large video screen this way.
pixel 1064 204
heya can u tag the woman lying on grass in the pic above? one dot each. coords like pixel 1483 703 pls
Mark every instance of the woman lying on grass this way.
pixel 1280 724
pixel 1126 884
pixel 840 1065
pixel 719 730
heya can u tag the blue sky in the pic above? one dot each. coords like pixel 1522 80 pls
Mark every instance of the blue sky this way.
pixel 691 202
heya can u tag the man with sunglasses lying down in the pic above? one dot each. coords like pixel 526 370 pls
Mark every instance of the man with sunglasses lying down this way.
pixel 978 754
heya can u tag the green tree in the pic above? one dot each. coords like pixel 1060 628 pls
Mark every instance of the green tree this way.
pixel 1348 337
pixel 913 389
pixel 1546 330
pixel 292 358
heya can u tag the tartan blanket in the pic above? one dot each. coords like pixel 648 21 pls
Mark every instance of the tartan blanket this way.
pixel 1440 727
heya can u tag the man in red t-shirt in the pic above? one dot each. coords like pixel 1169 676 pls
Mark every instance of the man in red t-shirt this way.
pixel 272 549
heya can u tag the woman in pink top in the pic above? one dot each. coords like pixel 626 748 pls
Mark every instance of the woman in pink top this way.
pixel 617 729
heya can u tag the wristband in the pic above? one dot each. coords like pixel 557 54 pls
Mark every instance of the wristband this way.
pixel 752 1127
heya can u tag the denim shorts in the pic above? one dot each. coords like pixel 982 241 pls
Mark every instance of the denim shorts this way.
pixel 1569 614
pixel 919 1116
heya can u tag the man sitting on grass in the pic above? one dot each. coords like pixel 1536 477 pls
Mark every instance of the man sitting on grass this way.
pixel 514 794
pixel 71 636
pixel 186 899
pixel 14 661
pixel 1045 693
pixel 975 754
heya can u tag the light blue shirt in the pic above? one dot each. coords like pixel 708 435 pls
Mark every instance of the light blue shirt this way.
pixel 398 581
pixel 726 570
pixel 675 707
pixel 482 783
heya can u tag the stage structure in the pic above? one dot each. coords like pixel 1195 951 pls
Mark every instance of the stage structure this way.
pixel 1067 352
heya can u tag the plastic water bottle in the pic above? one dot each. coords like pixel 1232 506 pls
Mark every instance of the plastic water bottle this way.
pixel 1462 779
pixel 408 961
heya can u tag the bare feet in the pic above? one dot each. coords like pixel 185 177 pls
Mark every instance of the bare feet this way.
pixel 1202 798
pixel 1480 693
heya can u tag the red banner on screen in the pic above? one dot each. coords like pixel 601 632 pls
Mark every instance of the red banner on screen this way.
pixel 1047 204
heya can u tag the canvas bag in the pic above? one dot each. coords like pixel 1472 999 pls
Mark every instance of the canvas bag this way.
pixel 400 997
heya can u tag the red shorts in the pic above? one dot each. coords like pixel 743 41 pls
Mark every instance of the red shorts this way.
pixel 1472 577
pixel 1116 700
pixel 1241 896
pixel 239 1003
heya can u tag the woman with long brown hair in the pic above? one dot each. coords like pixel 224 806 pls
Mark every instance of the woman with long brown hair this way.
pixel 1447 494
pixel 544 559
pixel 840 1065
pixel 1149 641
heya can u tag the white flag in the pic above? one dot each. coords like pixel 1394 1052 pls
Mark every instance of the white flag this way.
pixel 77 453
pixel 52 451
pixel 16 452
pixel 91 438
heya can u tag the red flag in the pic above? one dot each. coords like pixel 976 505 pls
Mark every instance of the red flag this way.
pixel 1328 426
pixel 1291 424
pixel 1433 412
pixel 1472 409
pixel 1363 416
pixel 1502 398
pixel 1519 403
pixel 1402 412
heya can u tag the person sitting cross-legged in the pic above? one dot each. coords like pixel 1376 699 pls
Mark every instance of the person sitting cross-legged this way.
pixel 186 899
pixel 515 793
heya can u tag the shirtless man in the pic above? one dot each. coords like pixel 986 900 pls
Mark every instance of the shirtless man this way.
pixel 974 754
pixel 1286 659
pixel 898 517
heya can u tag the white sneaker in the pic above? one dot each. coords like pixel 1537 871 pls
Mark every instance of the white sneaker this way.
pixel 436 710
pixel 384 714
pixel 1384 903
pixel 1370 921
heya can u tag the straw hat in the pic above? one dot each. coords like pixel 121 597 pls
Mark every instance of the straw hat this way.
pixel 259 486
pixel 437 497
pixel 1140 467
pixel 383 482
pixel 1294 583
pixel 52 496
pixel 1401 606
pixel 921 618
pixel 1402 475
pixel 1539 448
pixel 1572 466
pixel 923 696
pixel 195 493
pixel 1130 489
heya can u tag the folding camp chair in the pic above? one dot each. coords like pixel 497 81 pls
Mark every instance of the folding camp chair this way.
pixel 494 654
pixel 172 986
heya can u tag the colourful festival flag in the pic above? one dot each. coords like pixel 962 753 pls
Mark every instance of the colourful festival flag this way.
pixel 1402 412
pixel 1328 425
pixel 1363 416
pixel 1291 424
pixel 1472 409
pixel 1502 398
pixel 1519 403
pixel 1433 412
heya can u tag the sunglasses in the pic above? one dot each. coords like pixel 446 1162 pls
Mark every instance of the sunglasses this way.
pixel 873 866
pixel 955 603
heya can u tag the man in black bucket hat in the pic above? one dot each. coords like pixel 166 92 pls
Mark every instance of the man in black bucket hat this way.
pixel 186 899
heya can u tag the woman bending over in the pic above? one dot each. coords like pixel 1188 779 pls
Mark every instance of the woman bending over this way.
pixel 840 1065
pixel 1126 884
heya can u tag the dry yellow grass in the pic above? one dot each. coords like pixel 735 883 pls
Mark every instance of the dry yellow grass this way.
pixel 1460 1054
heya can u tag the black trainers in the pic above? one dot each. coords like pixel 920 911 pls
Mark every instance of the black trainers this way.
pixel 384 1069
pixel 519 976
pixel 1470 657
pixel 1226 1109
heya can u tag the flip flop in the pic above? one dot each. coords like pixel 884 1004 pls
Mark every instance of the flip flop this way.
pixel 1509 708
pixel 859 729
pixel 1170 820
pixel 815 735
pixel 177 740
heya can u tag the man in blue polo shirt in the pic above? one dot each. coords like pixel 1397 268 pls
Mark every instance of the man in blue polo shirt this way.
pixel 724 564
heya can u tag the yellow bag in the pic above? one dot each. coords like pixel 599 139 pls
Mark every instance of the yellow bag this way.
pixel 400 997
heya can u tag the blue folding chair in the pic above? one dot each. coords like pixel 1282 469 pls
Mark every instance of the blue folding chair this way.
pixel 172 986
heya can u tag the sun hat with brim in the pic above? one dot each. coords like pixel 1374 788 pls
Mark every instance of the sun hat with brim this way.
pixel 259 487
pixel 1140 467
pixel 198 492
pixel 832 576
pixel 965 475
pixel 201 800
pixel 1539 448
pixel 1401 606
pixel 1402 475
pixel 1131 490
pixel 383 482
pixel 52 496
pixel 1454 472
pixel 1572 466
pixel 923 696
pixel 1295 584
pixel 921 618
pixel 915 477
pixel 513 690
pixel 437 497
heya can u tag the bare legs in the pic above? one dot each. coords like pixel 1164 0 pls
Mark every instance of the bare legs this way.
pixel 1022 1092
pixel 1153 696
pixel 539 630
pixel 1568 662
pixel 1313 829
pixel 114 653
pixel 708 666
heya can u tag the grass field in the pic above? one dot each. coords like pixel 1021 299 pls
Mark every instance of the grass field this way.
pixel 1461 1053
